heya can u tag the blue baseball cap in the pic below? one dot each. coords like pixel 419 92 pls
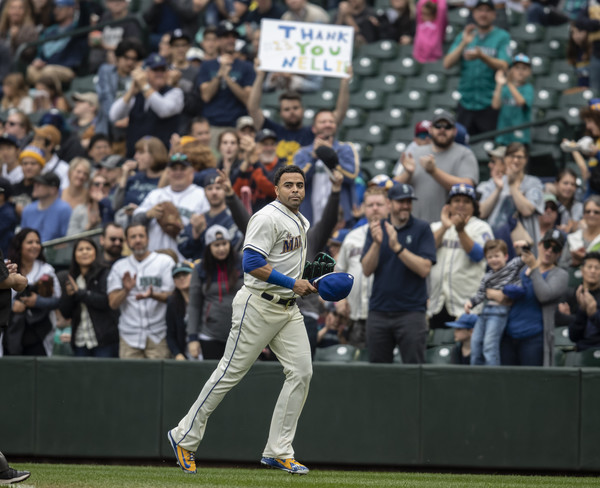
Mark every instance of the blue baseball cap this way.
pixel 465 321
pixel 334 286
pixel 339 235
pixel 521 58
pixel 155 61
pixel 402 191
pixel 462 189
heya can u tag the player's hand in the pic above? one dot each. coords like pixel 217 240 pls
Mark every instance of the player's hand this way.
pixel 198 222
pixel 529 258
pixel 145 294
pixel 459 221
pixel 194 348
pixel 495 295
pixel 468 306
pixel 128 281
pixel 498 179
pixel 304 288
pixel 18 306
pixel 29 301
pixel 12 267
pixel 469 33
pixel 376 231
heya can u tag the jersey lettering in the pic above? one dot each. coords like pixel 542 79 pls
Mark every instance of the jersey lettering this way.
pixel 146 281
pixel 291 244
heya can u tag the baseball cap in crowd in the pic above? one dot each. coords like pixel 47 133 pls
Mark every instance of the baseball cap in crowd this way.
pixel 89 97
pixel 194 54
pixel 497 152
pixel 521 58
pixel 183 267
pixel 551 198
pixel 264 134
pixel 216 233
pixel 402 191
pixel 462 189
pixel 338 236
pixel 155 61
pixel 440 115
pixel 179 158
pixel 48 179
pixel 112 161
pixel 9 139
pixel 245 121
pixel 225 28
pixel 333 287
pixel 382 181
pixel 64 3
pixel 177 35
pixel 422 128
pixel 49 132
pixel 556 236
pixel 210 177
pixel 53 117
pixel 5 187
pixel 487 3
pixel 462 136
pixel 33 152
pixel 465 321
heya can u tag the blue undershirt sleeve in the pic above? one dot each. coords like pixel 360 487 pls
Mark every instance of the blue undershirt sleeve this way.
pixel 476 252
pixel 252 260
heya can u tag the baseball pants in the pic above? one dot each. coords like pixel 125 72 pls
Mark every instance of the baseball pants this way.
pixel 257 322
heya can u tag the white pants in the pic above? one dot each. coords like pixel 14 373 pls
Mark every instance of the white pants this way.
pixel 257 322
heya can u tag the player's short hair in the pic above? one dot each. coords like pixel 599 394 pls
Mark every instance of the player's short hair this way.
pixel 290 95
pixel 132 225
pixel 292 168
pixel 591 255
pixel 495 245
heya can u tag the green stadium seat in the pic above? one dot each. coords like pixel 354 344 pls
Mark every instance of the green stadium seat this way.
pixel 439 337
pixel 373 134
pixel 578 99
pixel 438 355
pixel 518 46
pixel 270 99
pixel 540 65
pixel 397 356
pixel 545 159
pixel 553 49
pixel 557 32
pixel 514 18
pixel 385 49
pixel 406 66
pixel 451 32
pixel 362 356
pixel 391 151
pixel 527 33
pixel 324 99
pixel 404 135
pixel 438 68
pixel 333 84
pixel 559 357
pixel 545 99
pixel 458 16
pixel 391 117
pixel 429 82
pixel 309 114
pixel 412 99
pixel 480 150
pixel 271 113
pixel 388 83
pixel 365 66
pixel 558 81
pixel 84 84
pixel 549 134
pixel 374 167
pixel 570 114
pixel 561 339
pixel 447 101
pixel 452 83
pixel 363 150
pixel 369 99
pixel 587 358
pixel 355 117
pixel 341 353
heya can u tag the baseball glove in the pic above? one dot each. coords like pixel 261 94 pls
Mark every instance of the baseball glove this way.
pixel 322 265
pixel 170 220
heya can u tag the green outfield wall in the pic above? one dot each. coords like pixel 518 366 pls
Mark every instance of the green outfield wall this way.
pixel 386 415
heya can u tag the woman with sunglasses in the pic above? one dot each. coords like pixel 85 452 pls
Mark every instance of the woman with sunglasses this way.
pixel 528 338
pixel 94 324
pixel 95 211
pixel 587 238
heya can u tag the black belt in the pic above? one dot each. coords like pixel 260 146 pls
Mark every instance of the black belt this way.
pixel 282 301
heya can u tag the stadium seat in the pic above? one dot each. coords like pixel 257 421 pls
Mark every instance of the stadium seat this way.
pixel 587 358
pixel 333 84
pixel 391 151
pixel 84 84
pixel 406 66
pixel 340 353
pixel 518 46
pixel 561 338
pixel 309 114
pixel 558 81
pixel 270 99
pixel 438 355
pixel 404 135
pixel 413 99
pixel 458 16
pixel 363 150
pixel 271 113
pixel 439 337
pixel 373 134
pixel 553 49
pixel 387 82
pixel 365 66
pixel 578 99
pixel 362 355
pixel 527 33
pixel 545 99
pixel 514 18
pixel 430 82
pixel 451 32
pixel 480 149
pixel 446 100
pixel 540 65
pixel 570 114
pixel 384 49
pixel 545 159
pixel 559 357
pixel 557 32
pixel 550 134
pixel 391 117
pixel 374 167
pixel 369 99
pixel 355 117
pixel 438 68
pixel 324 99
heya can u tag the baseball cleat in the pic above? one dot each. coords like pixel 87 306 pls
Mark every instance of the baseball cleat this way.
pixel 290 465
pixel 185 458
pixel 13 476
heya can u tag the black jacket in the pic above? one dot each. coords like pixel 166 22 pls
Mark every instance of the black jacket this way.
pixel 104 319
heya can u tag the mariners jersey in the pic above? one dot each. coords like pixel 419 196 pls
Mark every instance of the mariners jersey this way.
pixel 279 235
pixel 141 319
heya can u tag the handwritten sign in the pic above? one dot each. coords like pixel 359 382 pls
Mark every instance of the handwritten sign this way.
pixel 305 48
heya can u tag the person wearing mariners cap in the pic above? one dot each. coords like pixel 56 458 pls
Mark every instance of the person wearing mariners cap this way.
pixel 399 249
pixel 49 215
pixel 459 238
pixel 480 49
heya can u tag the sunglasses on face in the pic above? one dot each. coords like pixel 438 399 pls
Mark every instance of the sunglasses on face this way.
pixel 100 184
pixel 422 135
pixel 116 239
pixel 555 248
pixel 442 126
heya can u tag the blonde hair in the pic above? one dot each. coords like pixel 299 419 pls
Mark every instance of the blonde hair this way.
pixel 27 16
pixel 16 81
pixel 79 161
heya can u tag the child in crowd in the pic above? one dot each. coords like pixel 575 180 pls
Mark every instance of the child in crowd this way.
pixel 485 343
pixel 513 96
pixel 431 29
pixel 463 331
pixel 579 53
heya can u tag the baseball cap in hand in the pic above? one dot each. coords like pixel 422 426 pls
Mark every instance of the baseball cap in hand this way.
pixel 465 321
pixel 402 191
pixel 328 156
pixel 334 286
pixel 47 179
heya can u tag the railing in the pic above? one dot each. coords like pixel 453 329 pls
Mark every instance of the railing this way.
pixel 491 135
pixel 60 251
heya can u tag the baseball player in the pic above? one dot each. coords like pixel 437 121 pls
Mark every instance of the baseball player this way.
pixel 264 313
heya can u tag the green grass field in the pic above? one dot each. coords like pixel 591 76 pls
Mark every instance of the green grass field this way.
pixel 99 476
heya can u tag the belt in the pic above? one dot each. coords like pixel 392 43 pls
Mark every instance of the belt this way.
pixel 282 301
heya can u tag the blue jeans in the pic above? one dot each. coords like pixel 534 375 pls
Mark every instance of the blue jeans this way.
pixel 109 351
pixel 526 351
pixel 485 341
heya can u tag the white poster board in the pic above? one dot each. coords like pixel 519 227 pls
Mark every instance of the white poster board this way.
pixel 305 48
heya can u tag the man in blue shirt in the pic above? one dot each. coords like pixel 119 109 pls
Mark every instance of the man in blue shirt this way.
pixel 49 215
pixel 224 84
pixel 399 252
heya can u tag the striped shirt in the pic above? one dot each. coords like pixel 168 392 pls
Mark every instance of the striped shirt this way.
pixel 508 275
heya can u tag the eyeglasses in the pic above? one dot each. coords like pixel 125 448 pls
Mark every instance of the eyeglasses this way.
pixel 116 239
pixel 515 156
pixel 439 126
pixel 422 135
pixel 556 249
pixel 99 184
pixel 593 212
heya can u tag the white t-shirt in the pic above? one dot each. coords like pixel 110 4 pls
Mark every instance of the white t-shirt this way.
pixel 60 168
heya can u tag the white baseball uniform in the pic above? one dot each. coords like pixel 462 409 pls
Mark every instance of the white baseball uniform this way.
pixel 280 236
pixel 190 201
pixel 142 319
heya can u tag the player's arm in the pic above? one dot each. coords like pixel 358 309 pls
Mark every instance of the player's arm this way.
pixel 256 265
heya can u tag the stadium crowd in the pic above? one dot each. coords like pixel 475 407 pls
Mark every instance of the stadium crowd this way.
pixel 169 154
